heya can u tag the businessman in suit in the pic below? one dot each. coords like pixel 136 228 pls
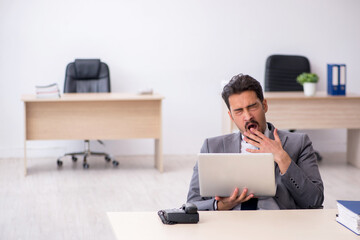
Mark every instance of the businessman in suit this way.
pixel 297 176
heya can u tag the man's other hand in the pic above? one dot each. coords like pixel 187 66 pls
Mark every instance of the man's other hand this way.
pixel 227 203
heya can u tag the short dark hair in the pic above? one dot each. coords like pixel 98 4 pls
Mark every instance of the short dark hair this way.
pixel 239 84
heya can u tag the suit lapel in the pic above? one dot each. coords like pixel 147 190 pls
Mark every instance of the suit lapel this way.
pixel 232 143
pixel 281 136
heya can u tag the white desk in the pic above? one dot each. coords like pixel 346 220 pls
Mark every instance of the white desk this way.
pixel 94 116
pixel 275 224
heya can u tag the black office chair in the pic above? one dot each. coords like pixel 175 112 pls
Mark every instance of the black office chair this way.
pixel 84 76
pixel 281 72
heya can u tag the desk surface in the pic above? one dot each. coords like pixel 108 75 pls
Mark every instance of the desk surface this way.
pixel 274 224
pixel 93 97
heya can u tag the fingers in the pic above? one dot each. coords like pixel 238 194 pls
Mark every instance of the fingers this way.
pixel 244 197
pixel 257 133
pixel 254 137
pixel 276 135
pixel 226 203
pixel 234 195
pixel 248 197
pixel 260 146
pixel 254 150
pixel 252 142
pixel 243 194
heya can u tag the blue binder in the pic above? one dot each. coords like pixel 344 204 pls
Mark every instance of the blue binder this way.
pixel 336 79
pixel 342 79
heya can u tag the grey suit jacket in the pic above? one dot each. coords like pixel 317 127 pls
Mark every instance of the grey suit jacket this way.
pixel 300 187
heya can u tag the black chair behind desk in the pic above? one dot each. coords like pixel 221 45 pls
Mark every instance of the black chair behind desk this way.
pixel 85 76
pixel 281 72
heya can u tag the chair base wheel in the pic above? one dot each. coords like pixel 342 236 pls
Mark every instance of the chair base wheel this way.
pixel 74 158
pixel 318 156
pixel 59 163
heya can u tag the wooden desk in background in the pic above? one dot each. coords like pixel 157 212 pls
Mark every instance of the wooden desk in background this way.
pixel 268 224
pixel 292 110
pixel 94 116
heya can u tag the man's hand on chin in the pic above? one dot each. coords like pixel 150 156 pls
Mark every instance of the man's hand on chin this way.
pixel 267 145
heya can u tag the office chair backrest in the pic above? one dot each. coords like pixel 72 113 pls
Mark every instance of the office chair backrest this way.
pixel 87 75
pixel 281 72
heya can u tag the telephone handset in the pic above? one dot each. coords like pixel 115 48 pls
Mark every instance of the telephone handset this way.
pixel 186 214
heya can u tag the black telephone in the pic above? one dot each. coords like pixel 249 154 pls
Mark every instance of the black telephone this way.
pixel 186 214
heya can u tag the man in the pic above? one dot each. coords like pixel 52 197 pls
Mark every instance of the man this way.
pixel 297 176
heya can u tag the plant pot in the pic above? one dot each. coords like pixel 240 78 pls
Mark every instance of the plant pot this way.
pixel 309 89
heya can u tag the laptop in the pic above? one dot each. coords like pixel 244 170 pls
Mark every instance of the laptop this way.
pixel 221 173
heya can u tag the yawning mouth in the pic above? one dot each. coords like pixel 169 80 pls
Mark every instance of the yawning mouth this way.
pixel 250 125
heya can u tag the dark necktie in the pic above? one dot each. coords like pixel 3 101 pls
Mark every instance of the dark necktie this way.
pixel 250 205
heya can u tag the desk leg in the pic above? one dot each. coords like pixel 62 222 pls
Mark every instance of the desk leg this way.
pixel 353 150
pixel 158 155
pixel 25 137
pixel 25 159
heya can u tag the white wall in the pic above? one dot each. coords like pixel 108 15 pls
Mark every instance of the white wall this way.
pixel 182 49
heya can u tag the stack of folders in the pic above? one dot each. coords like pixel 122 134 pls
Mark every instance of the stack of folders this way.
pixel 349 215
pixel 336 79
pixel 48 91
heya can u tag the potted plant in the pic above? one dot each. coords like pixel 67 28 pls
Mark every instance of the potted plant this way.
pixel 308 80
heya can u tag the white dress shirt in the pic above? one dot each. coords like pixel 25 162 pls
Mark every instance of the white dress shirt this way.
pixel 264 203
